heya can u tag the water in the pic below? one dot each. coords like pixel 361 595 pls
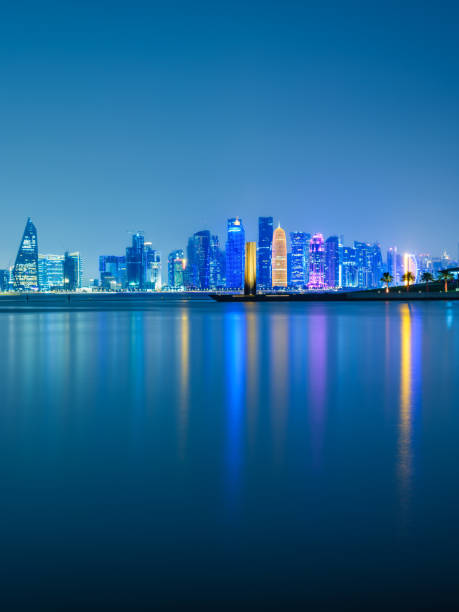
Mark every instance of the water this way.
pixel 214 455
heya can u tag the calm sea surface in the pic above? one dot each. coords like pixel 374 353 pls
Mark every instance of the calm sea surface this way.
pixel 272 455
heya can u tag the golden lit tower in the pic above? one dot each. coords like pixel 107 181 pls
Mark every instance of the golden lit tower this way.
pixel 250 284
pixel 279 258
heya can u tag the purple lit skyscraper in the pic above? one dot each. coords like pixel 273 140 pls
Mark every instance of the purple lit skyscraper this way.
pixel 316 262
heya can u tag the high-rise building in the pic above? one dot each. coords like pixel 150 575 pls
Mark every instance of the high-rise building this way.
pixel 4 280
pixel 112 270
pixel 176 264
pixel 51 272
pixel 332 279
pixel 279 258
pixel 392 264
pixel 136 262
pixel 348 268
pixel 316 262
pixel 299 243
pixel 73 271
pixel 410 265
pixel 152 268
pixel 377 266
pixel 198 268
pixel 217 264
pixel 363 260
pixel 264 252
pixel 235 254
pixel 25 271
pixel 250 271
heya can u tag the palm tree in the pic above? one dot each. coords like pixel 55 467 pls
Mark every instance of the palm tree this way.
pixel 427 278
pixel 408 278
pixel 387 278
pixel 445 276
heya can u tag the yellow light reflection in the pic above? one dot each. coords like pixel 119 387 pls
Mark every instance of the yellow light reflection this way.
pixel 405 425
pixel 184 381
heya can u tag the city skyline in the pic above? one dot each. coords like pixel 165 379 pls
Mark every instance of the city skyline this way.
pixel 338 119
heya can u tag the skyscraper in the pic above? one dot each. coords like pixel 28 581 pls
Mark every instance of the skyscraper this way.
pixel 198 269
pixel 235 254
pixel 25 271
pixel 264 252
pixel 176 264
pixel 136 262
pixel 112 270
pixel 217 264
pixel 377 266
pixel 279 258
pixel 73 271
pixel 299 242
pixel 348 268
pixel 332 279
pixel 316 262
pixel 51 272
pixel 152 268
pixel 363 260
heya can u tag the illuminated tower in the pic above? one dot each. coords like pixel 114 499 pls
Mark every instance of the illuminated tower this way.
pixel 316 262
pixel 410 265
pixel 25 272
pixel 235 254
pixel 264 252
pixel 250 276
pixel 279 258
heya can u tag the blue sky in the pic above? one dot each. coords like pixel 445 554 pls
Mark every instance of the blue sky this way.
pixel 169 117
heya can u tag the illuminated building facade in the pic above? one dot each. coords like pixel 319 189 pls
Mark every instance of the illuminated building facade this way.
pixel 153 278
pixel 112 269
pixel 279 258
pixel 316 262
pixel 176 264
pixel 198 268
pixel 4 280
pixel 299 259
pixel 135 262
pixel 73 271
pixel 264 253
pixel 332 263
pixel 348 268
pixel 217 264
pixel 235 254
pixel 410 265
pixel 25 271
pixel 250 273
pixel 51 272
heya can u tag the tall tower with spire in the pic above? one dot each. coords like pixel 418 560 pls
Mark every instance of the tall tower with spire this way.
pixel 25 271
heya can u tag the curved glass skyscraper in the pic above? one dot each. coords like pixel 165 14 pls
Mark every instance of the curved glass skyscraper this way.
pixel 279 257
pixel 25 271
pixel 265 241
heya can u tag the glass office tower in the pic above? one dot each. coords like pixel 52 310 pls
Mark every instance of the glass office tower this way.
pixel 153 278
pixel 176 264
pixel 73 271
pixel 332 279
pixel 235 254
pixel 4 280
pixel 51 272
pixel 198 269
pixel 299 258
pixel 217 264
pixel 264 252
pixel 136 262
pixel 25 271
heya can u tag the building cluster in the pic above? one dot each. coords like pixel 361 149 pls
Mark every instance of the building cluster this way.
pixel 299 262
pixel 33 271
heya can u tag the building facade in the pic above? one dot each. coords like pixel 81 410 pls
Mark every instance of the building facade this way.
pixel 316 263
pixel 332 262
pixel 279 259
pixel 235 254
pixel 299 260
pixel 264 253
pixel 51 272
pixel 25 271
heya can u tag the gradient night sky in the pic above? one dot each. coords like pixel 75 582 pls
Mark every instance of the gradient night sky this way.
pixel 339 117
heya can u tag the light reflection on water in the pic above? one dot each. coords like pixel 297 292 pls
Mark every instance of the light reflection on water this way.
pixel 240 441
